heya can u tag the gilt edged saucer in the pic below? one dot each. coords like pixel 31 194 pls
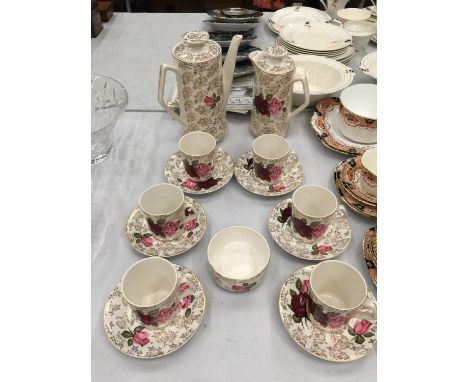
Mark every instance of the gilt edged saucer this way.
pixel 369 251
pixel 333 242
pixel 223 170
pixel 325 124
pixel 293 177
pixel 341 346
pixel 141 238
pixel 126 332
pixel 349 173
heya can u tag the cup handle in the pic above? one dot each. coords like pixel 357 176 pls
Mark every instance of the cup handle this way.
pixel 335 21
pixel 343 213
pixel 368 310
pixel 185 292
pixel 305 87
pixel 162 82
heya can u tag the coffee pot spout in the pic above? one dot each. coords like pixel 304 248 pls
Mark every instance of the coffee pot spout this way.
pixel 229 65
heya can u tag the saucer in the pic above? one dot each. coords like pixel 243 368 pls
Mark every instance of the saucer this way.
pixel 342 346
pixel 126 332
pixel 354 204
pixel 369 250
pixel 175 174
pixel 142 239
pixel 333 242
pixel 292 179
pixel 325 121
pixel 349 173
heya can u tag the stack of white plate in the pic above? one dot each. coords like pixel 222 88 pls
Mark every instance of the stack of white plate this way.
pixel 319 39
pixel 298 14
pixel 373 18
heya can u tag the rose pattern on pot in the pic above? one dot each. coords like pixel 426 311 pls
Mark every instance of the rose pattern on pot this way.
pixel 269 105
pixel 211 101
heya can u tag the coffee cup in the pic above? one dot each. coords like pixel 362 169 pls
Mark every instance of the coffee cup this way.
pixel 197 150
pixel 368 179
pixel 163 207
pixel 270 152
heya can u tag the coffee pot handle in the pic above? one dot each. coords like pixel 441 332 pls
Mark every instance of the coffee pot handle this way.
pixel 305 87
pixel 162 82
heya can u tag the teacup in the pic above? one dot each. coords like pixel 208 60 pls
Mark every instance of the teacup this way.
pixel 369 171
pixel 312 211
pixel 197 150
pixel 150 287
pixel 362 32
pixel 163 207
pixel 270 152
pixel 238 258
pixel 353 14
pixel 338 293
pixel 358 110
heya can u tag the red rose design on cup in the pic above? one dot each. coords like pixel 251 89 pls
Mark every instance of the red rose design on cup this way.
pixel 275 173
pixel 163 315
pixel 300 304
pixel 202 169
pixel 141 338
pixel 336 321
pixel 170 228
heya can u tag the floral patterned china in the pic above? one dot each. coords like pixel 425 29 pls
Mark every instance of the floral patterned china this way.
pixel 238 258
pixel 369 172
pixel 325 123
pixel 126 331
pixel 223 170
pixel 350 200
pixel 355 340
pixel 350 173
pixel 147 241
pixel 369 251
pixel 332 242
pixel 292 176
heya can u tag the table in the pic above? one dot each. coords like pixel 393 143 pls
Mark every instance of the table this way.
pixel 242 337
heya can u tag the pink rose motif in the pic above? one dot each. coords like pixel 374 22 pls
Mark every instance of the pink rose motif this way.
pixel 324 248
pixel 203 169
pixel 275 173
pixel 362 327
pixel 209 101
pixel 188 183
pixel 185 302
pixel 141 338
pixel 147 241
pixel 318 231
pixel 170 228
pixel 183 287
pixel 239 288
pixel 146 319
pixel 163 315
pixel 336 321
pixel 305 286
pixel 274 106
pixel 278 187
pixel 191 225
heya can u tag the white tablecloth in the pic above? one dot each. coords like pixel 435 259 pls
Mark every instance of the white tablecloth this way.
pixel 242 337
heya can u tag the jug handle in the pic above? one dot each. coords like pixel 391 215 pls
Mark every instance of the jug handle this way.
pixel 305 87
pixel 162 82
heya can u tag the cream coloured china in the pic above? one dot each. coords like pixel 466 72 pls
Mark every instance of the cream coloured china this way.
pixel 223 170
pixel 324 76
pixel 369 65
pixel 238 258
pixel 350 174
pixel 332 243
pixel 369 172
pixel 315 16
pixel 353 14
pixel 312 14
pixel 369 251
pixel 202 82
pixel 272 91
pixel 362 32
pixel 270 153
pixel 197 150
pixel 144 240
pixel 292 177
pixel 214 25
pixel 125 331
pixel 326 121
pixel 355 341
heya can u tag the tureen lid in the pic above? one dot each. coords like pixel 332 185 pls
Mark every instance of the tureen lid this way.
pixel 276 60
pixel 196 47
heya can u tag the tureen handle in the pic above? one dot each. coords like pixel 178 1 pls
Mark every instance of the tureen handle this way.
pixel 162 82
pixel 305 86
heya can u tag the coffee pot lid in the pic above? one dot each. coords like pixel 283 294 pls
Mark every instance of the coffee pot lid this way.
pixel 196 47
pixel 276 60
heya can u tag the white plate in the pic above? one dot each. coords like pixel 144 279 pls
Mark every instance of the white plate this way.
pixel 229 27
pixel 369 65
pixel 317 37
pixel 318 53
pixel 275 17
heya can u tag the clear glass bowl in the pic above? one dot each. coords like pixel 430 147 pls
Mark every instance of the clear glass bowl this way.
pixel 109 99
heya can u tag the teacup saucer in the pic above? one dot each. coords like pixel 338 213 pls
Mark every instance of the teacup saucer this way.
pixel 369 251
pixel 293 177
pixel 353 342
pixel 352 202
pixel 349 173
pixel 126 332
pixel 325 121
pixel 142 239
pixel 175 174
pixel 333 242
